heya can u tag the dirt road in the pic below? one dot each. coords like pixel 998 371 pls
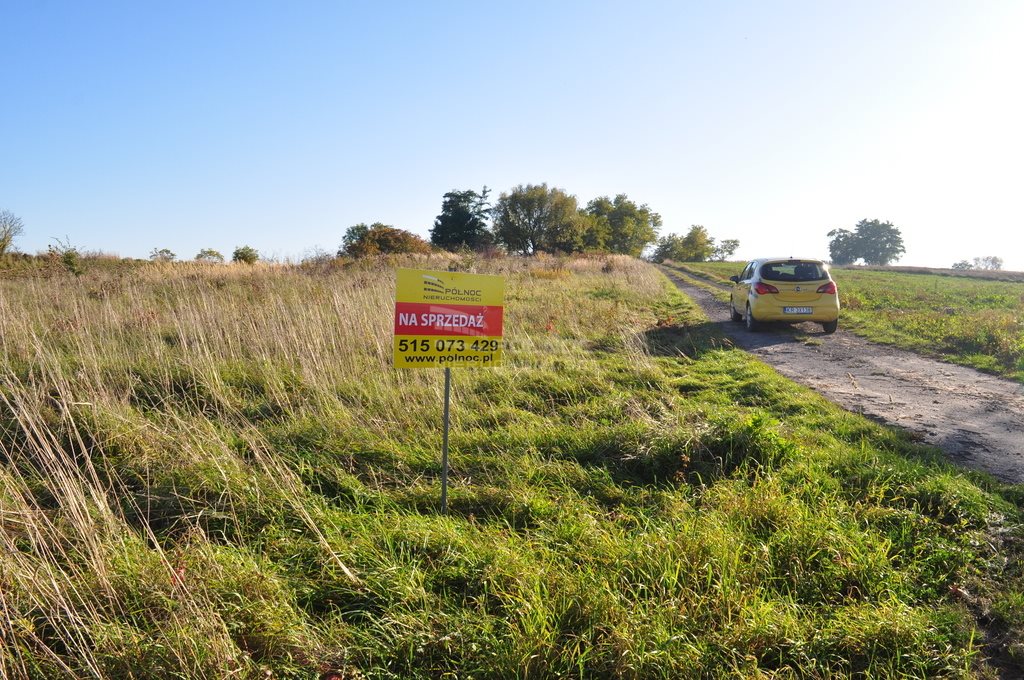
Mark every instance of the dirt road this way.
pixel 977 419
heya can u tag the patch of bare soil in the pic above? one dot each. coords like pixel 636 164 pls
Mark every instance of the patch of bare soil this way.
pixel 977 419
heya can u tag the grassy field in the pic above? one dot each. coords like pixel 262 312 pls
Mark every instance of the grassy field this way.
pixel 212 471
pixel 966 319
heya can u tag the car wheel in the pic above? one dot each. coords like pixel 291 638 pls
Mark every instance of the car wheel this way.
pixel 830 326
pixel 752 325
pixel 736 316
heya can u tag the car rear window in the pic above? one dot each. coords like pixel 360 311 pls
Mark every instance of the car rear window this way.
pixel 793 271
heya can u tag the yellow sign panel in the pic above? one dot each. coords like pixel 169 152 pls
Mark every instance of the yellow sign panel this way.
pixel 445 319
pixel 419 285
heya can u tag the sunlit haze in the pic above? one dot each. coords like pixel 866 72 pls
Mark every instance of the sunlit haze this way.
pixel 130 126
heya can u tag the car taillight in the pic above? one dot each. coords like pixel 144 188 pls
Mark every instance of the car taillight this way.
pixel 762 288
pixel 828 289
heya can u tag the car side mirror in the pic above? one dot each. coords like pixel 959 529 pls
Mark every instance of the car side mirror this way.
pixel 734 279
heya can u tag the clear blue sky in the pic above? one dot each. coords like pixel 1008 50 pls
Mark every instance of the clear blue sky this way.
pixel 127 126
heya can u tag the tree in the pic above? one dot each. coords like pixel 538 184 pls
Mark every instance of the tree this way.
pixel 463 221
pixel 620 225
pixel 361 240
pixel 533 218
pixel 209 255
pixel 725 249
pixel 596 230
pixel 843 247
pixel 962 265
pixel 880 242
pixel 669 247
pixel 696 246
pixel 353 235
pixel 11 227
pixel 873 241
pixel 245 255
pixel 162 255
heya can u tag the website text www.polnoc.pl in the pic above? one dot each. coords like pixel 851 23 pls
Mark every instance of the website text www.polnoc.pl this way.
pixel 449 359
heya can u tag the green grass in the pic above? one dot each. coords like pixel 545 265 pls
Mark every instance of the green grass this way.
pixel 961 319
pixel 213 471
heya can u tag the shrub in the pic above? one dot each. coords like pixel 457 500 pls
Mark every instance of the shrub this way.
pixel 245 254
pixel 380 239
pixel 67 255
pixel 209 255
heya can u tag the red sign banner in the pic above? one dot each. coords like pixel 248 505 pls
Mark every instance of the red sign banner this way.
pixel 419 318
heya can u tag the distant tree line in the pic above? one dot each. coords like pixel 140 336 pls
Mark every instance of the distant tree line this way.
pixel 242 254
pixel 536 218
pixel 989 263
pixel 696 246
pixel 527 220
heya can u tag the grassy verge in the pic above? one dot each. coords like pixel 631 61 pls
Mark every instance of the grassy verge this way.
pixel 213 471
pixel 962 319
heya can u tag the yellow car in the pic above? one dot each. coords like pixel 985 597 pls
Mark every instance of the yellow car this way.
pixel 790 290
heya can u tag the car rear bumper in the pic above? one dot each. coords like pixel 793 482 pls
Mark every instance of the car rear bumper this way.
pixel 823 310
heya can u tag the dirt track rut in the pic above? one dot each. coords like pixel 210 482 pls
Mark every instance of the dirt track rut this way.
pixel 977 419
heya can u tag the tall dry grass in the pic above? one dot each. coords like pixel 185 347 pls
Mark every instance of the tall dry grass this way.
pixel 129 412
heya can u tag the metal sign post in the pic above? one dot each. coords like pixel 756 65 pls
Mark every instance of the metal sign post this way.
pixel 444 442
pixel 445 319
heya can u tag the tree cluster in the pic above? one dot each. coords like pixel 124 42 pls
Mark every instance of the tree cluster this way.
pixel 536 218
pixel 620 226
pixel 696 246
pixel 533 219
pixel 872 241
pixel 529 219
pixel 989 263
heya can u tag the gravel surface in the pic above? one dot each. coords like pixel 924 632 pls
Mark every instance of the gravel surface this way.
pixel 977 419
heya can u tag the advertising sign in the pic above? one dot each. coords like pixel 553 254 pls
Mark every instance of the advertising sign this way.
pixel 448 319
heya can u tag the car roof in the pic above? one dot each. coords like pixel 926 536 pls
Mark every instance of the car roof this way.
pixel 762 260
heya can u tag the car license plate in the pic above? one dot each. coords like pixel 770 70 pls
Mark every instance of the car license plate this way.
pixel 797 310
